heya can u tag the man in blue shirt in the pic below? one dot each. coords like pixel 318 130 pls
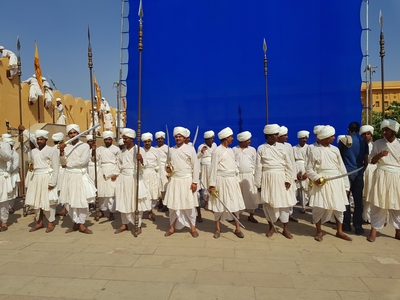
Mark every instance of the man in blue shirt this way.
pixel 354 152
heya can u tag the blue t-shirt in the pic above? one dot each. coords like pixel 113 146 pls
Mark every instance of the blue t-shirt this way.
pixel 354 156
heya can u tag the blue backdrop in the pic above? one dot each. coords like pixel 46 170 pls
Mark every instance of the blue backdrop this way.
pixel 203 65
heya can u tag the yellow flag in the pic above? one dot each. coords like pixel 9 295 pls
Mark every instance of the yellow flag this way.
pixel 98 94
pixel 124 101
pixel 36 65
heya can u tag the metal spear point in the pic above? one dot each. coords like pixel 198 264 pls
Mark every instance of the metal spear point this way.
pixel 380 19
pixel 140 12
pixel 265 47
pixel 266 79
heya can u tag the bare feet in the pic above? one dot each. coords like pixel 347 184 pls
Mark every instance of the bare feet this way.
pixel 318 237
pixel 194 234
pixel 168 233
pixel 371 239
pixel 270 232
pixel 287 234
pixel 343 236
pixel 121 229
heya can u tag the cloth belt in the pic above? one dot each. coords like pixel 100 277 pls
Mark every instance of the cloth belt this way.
pixel 332 172
pixel 76 170
pixel 273 169
pixel 181 175
pixel 227 173
pixel 41 171
pixel 128 172
pixel 107 164
pixel 245 171
pixel 206 161
pixel 388 168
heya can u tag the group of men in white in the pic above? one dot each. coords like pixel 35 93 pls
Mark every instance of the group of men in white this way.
pixel 229 180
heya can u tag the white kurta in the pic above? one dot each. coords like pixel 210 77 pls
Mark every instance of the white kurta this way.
pixel 12 62
pixel 273 169
pixel 163 152
pixel 34 91
pixel 300 154
pixel 5 179
pixel 205 166
pixel 186 171
pixel 151 174
pixel 107 121
pixel 13 170
pixel 246 162
pixel 107 159
pixel 125 190
pixel 223 176
pixel 46 164
pixel 326 162
pixel 61 119
pixel 368 179
pixel 385 188
pixel 77 188
pixel 48 94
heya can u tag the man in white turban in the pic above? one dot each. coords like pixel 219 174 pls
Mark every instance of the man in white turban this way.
pixel 160 138
pixel 384 195
pixel 34 91
pixel 12 62
pixel 107 118
pixel 180 196
pixel 108 171
pixel 13 171
pixel 366 132
pixel 77 188
pixel 354 156
pixel 126 187
pixel 204 152
pixel 48 93
pixel 5 184
pixel 224 183
pixel 329 199
pixel 245 157
pixel 282 138
pixel 274 177
pixel 42 194
pixel 151 171
pixel 300 154
pixel 61 119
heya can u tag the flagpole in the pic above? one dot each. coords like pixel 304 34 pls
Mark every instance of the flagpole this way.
pixel 140 48
pixel 21 136
pixel 90 65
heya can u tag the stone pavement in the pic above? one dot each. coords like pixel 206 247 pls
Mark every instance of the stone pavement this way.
pixel 104 265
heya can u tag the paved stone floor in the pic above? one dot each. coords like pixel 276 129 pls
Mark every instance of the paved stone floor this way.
pixel 104 265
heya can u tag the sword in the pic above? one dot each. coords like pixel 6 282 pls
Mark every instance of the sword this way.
pixel 300 191
pixel 323 180
pixel 195 136
pixel 216 195
pixel 81 134
pixel 169 165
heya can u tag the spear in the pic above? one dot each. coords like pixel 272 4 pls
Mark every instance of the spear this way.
pixel 90 65
pixel 140 48
pixel 21 137
pixel 266 79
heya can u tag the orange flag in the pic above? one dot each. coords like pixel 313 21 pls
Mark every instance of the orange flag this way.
pixel 98 94
pixel 123 102
pixel 36 65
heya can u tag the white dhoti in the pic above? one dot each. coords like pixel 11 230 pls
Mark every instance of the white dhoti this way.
pixel 50 214
pixel 127 218
pixel 107 203
pixel 4 211
pixel 250 194
pixel 183 218
pixel 272 214
pixel 38 195
pixel 34 92
pixel 325 215
pixel 78 215
pixel 379 217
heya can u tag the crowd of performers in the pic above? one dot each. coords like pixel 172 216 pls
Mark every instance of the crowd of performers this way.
pixel 229 180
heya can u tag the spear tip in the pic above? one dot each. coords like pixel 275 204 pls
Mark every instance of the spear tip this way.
pixel 140 12
pixel 265 46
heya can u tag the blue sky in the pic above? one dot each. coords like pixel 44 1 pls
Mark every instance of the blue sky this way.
pixel 60 30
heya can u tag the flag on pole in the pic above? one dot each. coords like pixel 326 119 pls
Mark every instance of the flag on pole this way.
pixel 98 93
pixel 36 65
pixel 124 101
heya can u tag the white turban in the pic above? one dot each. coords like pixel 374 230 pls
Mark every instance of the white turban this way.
pixel 187 133
pixel 108 134
pixel 317 128
pixel 391 124
pixel 102 98
pixel 303 133
pixel 147 136
pixel 325 132
pixel 73 126
pixel 243 136
pixel 89 137
pixel 42 133
pixel 366 128
pixel 57 137
pixel 9 141
pixel 58 100
pixel 34 75
pixel 43 78
pixel 129 133
pixel 224 133
pixel 209 134
pixel 283 130
pixel 180 130
pixel 160 134
pixel 120 142
pixel 1 48
pixel 271 129
pixel 5 135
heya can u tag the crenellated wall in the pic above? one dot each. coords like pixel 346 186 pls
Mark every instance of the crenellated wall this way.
pixel 76 109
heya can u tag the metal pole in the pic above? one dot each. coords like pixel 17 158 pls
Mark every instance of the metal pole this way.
pixel 266 79
pixel 140 48
pixel 90 64
pixel 21 136
pixel 367 84
pixel 382 55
